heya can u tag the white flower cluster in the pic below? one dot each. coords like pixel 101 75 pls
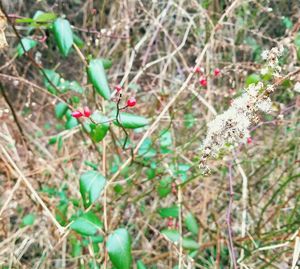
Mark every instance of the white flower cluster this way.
pixel 232 127
pixel 271 57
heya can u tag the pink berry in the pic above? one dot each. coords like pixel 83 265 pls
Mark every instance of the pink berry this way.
pixel 77 114
pixel 170 223
pixel 131 102
pixel 86 111
pixel 217 71
pixel 249 140
pixel 203 81
pixel 197 69
pixel 118 88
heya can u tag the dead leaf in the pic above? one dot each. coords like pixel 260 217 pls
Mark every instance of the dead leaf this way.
pixel 3 25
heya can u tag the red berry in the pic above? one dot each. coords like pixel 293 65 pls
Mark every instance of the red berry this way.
pixel 170 223
pixel 118 88
pixel 77 114
pixel 217 71
pixel 86 111
pixel 131 102
pixel 249 140
pixel 197 69
pixel 203 81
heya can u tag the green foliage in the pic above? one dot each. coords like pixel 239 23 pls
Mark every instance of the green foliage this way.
pixel 164 187
pixel 119 249
pixel 71 123
pixel 52 79
pixel 140 265
pixel 87 224
pixel 174 236
pixel 165 138
pixel 27 43
pixel 99 126
pixel 60 110
pixel 131 121
pixel 253 78
pixel 28 220
pixel 91 186
pixel 167 212
pixel 191 223
pixel 63 35
pixel 97 76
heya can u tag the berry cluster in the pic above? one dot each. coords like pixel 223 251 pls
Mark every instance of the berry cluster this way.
pixel 78 114
pixel 203 79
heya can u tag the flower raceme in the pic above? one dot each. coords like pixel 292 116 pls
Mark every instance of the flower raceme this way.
pixel 232 126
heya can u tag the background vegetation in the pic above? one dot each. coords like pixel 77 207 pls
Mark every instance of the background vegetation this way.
pixel 155 207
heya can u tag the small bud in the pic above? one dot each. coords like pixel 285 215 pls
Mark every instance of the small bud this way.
pixel 86 111
pixel 217 71
pixel 249 140
pixel 118 88
pixel 93 11
pixel 131 102
pixel 203 81
pixel 77 114
pixel 170 223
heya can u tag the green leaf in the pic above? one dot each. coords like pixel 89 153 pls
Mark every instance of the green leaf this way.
pixel 71 123
pixel 78 41
pixel 189 120
pixel 28 220
pixel 287 22
pixel 189 243
pixel 174 236
pixel 107 63
pixel 297 39
pixel 59 143
pixel 253 78
pixel 76 87
pixel 60 110
pixel 63 35
pixel 146 150
pixel 91 186
pixel 97 76
pixel 53 77
pixel 52 140
pixel 131 121
pixel 169 212
pixel 164 187
pixel 87 224
pixel 76 248
pixel 165 138
pixel 43 17
pixel 140 265
pixel 99 130
pixel 191 223
pixel 24 20
pixel 28 44
pixel 119 249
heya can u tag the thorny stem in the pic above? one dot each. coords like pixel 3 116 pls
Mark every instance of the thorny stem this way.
pixel 228 217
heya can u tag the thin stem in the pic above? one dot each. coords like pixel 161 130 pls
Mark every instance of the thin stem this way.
pixel 228 218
